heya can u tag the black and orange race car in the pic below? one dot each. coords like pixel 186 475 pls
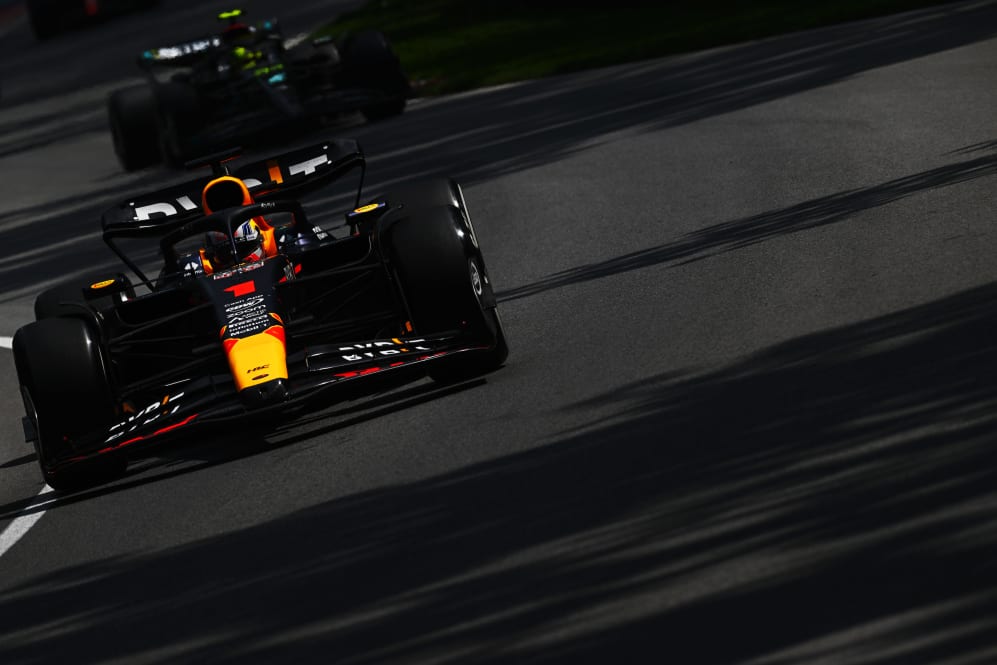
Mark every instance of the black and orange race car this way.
pixel 254 313
pixel 247 84
pixel 50 17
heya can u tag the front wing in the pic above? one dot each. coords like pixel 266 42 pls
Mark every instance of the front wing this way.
pixel 328 373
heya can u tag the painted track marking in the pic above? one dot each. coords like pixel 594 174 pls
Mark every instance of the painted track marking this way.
pixel 23 522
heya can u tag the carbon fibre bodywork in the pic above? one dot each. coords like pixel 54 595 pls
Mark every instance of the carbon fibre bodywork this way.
pixel 325 318
pixel 248 85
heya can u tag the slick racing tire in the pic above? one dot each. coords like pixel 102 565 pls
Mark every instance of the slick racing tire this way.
pixel 423 194
pixel 445 286
pixel 66 396
pixel 179 118
pixel 372 63
pixel 132 116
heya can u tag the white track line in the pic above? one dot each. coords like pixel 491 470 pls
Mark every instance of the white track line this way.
pixel 22 523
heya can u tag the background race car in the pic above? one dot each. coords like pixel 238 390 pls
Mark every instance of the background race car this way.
pixel 246 83
pixel 50 17
pixel 255 313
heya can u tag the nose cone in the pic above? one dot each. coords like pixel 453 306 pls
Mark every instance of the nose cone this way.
pixel 264 394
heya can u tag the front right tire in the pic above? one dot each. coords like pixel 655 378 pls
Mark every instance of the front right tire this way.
pixel 444 283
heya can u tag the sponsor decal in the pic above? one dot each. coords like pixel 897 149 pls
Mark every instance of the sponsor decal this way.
pixel 166 209
pixel 476 279
pixel 241 289
pixel 163 430
pixel 158 409
pixel 249 267
pixel 308 166
pixel 174 52
pixel 364 209
pixel 257 357
pixel 245 304
pixel 102 285
pixel 194 266
pixel 381 349
pixel 372 370
pixel 247 316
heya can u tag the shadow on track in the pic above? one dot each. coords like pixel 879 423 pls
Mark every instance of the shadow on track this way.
pixel 736 234
pixel 480 136
pixel 52 127
pixel 218 445
pixel 831 498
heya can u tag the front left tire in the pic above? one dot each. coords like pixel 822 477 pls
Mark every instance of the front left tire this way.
pixel 132 117
pixel 67 398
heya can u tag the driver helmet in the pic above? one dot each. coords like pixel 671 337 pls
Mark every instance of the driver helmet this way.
pixel 249 242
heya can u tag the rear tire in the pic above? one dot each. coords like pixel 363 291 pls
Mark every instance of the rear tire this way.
pixel 179 118
pixel 67 397
pixel 372 63
pixel 132 117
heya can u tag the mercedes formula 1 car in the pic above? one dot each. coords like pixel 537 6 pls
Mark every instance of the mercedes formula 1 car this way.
pixel 230 89
pixel 49 17
pixel 252 313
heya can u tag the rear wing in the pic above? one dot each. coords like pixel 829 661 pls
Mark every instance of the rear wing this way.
pixel 287 176
pixel 189 53
pixel 180 55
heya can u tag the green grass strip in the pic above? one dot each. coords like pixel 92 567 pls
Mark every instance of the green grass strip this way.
pixel 452 45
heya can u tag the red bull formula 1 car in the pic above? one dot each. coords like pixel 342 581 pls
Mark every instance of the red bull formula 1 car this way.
pixel 254 313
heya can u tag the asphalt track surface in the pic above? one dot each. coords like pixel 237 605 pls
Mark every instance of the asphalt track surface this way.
pixel 748 416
